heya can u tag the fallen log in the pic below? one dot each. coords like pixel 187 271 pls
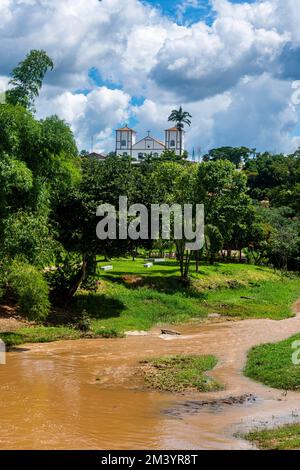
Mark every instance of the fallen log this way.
pixel 170 332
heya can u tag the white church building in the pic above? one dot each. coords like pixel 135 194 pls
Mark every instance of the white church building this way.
pixel 127 143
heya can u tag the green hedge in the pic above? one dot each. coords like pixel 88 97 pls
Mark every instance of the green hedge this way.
pixel 31 290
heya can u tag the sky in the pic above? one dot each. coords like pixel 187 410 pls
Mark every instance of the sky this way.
pixel 234 65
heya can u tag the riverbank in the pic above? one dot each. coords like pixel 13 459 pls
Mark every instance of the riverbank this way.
pixel 281 438
pixel 132 297
pixel 272 364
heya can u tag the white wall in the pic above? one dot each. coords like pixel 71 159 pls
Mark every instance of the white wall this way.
pixel 136 152
pixel 147 146
pixel 174 136
pixel 128 137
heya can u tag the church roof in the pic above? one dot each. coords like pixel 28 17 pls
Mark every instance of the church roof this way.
pixel 159 142
pixel 126 128
pixel 172 129
pixel 149 137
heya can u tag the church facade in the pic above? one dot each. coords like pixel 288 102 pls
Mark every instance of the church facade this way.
pixel 128 144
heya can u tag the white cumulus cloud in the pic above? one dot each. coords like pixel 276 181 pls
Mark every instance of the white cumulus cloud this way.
pixel 234 75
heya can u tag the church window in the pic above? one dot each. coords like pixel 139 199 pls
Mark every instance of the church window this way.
pixel 124 154
pixel 156 154
pixel 140 155
pixel 172 143
pixel 123 143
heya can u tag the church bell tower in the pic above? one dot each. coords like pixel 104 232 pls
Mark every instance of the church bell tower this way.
pixel 174 140
pixel 125 139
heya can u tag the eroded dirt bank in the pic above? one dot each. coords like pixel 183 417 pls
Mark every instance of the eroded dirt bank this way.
pixel 85 394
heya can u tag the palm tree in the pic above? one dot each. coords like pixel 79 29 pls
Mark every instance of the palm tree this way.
pixel 180 117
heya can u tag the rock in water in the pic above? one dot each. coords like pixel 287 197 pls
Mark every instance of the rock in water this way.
pixel 170 332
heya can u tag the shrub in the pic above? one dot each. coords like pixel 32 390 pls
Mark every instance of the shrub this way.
pixel 60 279
pixel 90 283
pixel 82 321
pixel 30 289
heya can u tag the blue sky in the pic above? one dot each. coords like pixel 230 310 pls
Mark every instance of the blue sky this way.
pixel 190 14
pixel 234 65
pixel 190 11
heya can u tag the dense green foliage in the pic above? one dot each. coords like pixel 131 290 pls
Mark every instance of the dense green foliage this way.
pixel 236 155
pixel 30 289
pixel 38 165
pixel 269 231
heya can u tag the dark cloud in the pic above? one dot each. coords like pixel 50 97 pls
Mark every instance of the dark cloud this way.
pixel 213 82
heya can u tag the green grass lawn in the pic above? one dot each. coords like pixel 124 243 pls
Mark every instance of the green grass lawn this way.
pixel 47 334
pixel 132 297
pixel 179 373
pixel 272 365
pixel 282 438
pixel 38 334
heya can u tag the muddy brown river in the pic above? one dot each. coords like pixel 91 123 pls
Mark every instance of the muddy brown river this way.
pixel 86 394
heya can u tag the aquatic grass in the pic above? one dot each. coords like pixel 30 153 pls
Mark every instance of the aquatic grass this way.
pixel 180 373
pixel 281 438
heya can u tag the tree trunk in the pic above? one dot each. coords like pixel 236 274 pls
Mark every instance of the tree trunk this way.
pixel 180 142
pixel 187 265
pixel 197 255
pixel 180 256
pixel 76 281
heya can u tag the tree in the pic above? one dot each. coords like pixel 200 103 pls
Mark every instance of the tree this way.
pixel 283 236
pixel 213 242
pixel 175 184
pixel 27 79
pixel 275 178
pixel 235 155
pixel 29 237
pixel 38 159
pixel 75 216
pixel 39 165
pixel 180 117
pixel 223 191
pixel 170 156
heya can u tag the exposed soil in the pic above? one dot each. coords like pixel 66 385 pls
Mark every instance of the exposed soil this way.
pixel 10 320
